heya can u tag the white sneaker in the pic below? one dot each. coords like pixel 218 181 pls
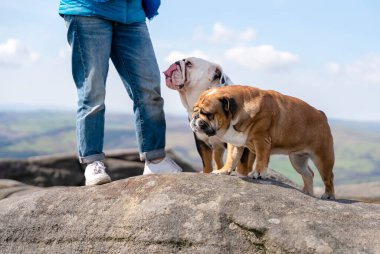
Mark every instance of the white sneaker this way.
pixel 95 174
pixel 167 165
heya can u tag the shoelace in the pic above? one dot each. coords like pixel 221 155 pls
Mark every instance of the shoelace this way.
pixel 99 167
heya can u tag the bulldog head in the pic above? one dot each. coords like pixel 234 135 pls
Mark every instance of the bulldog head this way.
pixel 213 112
pixel 195 73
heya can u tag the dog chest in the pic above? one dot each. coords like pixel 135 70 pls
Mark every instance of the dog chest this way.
pixel 234 137
pixel 212 142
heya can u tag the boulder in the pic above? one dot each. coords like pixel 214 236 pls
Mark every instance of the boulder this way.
pixel 14 188
pixel 65 169
pixel 186 213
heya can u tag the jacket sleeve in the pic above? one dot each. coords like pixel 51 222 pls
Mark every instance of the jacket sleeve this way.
pixel 151 7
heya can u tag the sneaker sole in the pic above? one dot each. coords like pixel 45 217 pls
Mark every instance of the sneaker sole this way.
pixel 98 181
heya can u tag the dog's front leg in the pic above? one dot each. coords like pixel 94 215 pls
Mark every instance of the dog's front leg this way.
pixel 245 166
pixel 206 154
pixel 217 155
pixel 262 148
pixel 234 154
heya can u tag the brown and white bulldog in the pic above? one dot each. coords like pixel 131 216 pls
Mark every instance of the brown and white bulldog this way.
pixel 268 122
pixel 190 77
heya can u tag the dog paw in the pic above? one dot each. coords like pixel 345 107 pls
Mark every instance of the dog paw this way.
pixel 233 173
pixel 240 175
pixel 216 172
pixel 326 196
pixel 237 174
pixel 256 175
pixel 252 174
pixel 220 172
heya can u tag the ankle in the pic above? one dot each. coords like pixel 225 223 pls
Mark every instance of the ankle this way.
pixel 157 160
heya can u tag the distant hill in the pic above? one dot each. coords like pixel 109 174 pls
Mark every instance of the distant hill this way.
pixel 25 134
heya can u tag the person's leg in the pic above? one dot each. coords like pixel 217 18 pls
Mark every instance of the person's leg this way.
pixel 133 56
pixel 90 39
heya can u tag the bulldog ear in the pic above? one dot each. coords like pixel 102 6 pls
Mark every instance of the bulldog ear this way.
pixel 229 105
pixel 215 73
pixel 225 80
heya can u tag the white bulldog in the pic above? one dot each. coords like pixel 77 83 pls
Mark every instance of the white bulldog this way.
pixel 190 77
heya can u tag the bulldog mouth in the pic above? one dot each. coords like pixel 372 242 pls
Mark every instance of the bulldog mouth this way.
pixel 173 77
pixel 193 126
pixel 168 73
pixel 196 128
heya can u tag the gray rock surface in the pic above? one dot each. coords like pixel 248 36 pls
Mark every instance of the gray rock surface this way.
pixel 13 188
pixel 185 213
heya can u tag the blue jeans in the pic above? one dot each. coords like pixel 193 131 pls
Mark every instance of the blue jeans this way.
pixel 94 41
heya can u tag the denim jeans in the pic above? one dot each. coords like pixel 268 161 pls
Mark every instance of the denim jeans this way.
pixel 94 41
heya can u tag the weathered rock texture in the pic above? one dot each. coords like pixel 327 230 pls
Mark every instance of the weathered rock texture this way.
pixel 185 213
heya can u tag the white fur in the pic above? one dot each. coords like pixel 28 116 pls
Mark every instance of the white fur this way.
pixel 199 79
pixel 234 137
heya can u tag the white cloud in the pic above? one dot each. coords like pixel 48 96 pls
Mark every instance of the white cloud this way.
pixel 263 57
pixel 223 34
pixel 248 34
pixel 333 68
pixel 64 52
pixel 14 54
pixel 177 55
pixel 365 70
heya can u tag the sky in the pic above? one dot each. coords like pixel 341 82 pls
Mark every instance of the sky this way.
pixel 324 52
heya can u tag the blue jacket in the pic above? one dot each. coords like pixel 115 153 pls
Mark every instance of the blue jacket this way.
pixel 123 11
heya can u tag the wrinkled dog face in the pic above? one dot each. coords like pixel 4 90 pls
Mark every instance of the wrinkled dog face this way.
pixel 192 72
pixel 212 114
pixel 203 121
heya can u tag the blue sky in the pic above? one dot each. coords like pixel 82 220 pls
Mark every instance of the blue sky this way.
pixel 324 52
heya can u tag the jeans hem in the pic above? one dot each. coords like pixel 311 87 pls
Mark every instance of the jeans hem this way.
pixel 151 155
pixel 92 158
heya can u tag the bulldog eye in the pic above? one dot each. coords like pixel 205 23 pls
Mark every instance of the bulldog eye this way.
pixel 208 115
pixel 188 64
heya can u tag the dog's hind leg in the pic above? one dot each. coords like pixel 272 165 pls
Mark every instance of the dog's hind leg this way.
pixel 325 166
pixel 300 164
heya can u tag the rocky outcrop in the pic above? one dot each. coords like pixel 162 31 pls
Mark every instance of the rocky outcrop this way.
pixel 185 213
pixel 13 188
pixel 65 170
